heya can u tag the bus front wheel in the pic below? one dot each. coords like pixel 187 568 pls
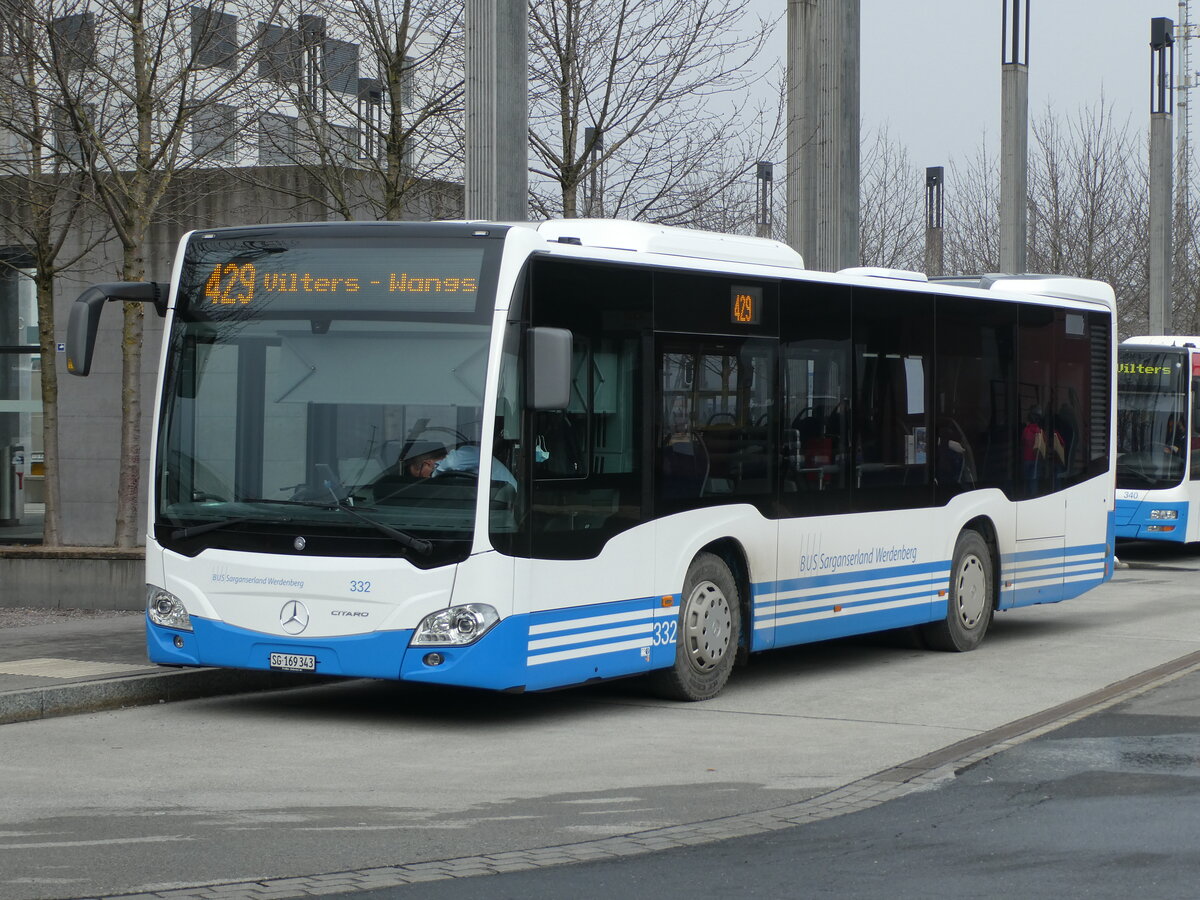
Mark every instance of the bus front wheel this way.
pixel 706 639
pixel 971 598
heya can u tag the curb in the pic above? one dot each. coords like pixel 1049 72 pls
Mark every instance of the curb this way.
pixel 142 690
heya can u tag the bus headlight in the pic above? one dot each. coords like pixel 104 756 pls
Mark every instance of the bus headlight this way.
pixel 167 610
pixel 1164 514
pixel 456 626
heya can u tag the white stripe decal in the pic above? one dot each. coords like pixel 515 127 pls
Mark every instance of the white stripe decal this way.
pixel 851 611
pixel 854 599
pixel 1049 562
pixel 586 636
pixel 590 622
pixel 580 653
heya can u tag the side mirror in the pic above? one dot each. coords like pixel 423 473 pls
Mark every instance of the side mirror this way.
pixel 85 316
pixel 550 367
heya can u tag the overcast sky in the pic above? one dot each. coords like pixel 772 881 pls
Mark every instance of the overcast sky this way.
pixel 931 68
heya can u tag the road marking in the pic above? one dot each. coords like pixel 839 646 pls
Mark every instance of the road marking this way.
pixel 45 845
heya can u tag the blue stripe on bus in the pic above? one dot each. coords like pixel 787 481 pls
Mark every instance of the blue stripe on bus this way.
pixel 1059 552
pixel 586 643
pixel 819 607
pixel 879 574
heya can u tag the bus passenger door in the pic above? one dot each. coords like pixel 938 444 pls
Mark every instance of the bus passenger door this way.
pixel 1035 574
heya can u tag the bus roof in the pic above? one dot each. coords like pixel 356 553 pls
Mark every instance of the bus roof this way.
pixel 1059 286
pixel 1164 340
pixel 667 240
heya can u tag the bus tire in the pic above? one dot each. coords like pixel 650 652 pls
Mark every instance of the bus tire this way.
pixel 970 600
pixel 706 639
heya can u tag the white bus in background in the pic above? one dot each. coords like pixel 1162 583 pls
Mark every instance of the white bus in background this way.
pixel 523 457
pixel 1158 438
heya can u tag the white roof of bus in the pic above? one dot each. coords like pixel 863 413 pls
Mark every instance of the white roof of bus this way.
pixel 666 240
pixel 1165 340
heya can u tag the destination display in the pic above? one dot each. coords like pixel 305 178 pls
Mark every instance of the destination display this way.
pixel 745 305
pixel 1141 370
pixel 311 279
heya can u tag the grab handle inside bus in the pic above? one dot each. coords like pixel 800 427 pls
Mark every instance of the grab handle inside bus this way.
pixel 550 375
pixel 85 316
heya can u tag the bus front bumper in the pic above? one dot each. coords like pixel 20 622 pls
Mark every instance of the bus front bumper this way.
pixel 487 663
pixel 1151 520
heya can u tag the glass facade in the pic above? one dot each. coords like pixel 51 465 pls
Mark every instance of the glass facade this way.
pixel 22 504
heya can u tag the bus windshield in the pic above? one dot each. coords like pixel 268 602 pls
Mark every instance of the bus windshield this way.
pixel 1151 417
pixel 333 388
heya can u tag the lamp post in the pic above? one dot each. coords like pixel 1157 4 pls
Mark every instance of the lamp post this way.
pixel 765 173
pixel 935 177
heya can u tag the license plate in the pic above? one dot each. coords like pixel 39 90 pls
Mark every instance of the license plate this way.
pixel 293 662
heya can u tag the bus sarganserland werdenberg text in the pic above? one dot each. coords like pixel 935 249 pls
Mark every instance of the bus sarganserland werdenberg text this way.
pixel 1158 438
pixel 521 457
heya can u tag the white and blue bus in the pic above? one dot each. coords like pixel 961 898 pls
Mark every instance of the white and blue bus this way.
pixel 1158 438
pixel 523 457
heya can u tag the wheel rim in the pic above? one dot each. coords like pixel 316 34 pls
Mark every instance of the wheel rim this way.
pixel 970 590
pixel 707 626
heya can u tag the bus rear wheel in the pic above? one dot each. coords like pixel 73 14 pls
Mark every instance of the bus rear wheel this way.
pixel 971 598
pixel 706 640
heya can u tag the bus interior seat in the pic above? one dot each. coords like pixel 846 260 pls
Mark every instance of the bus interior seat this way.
pixel 685 467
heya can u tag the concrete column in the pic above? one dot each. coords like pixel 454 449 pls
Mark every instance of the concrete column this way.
pixel 823 132
pixel 496 176
pixel 1161 95
pixel 1014 137
pixel 1160 223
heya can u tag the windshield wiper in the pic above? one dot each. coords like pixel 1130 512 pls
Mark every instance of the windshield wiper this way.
pixel 193 530
pixel 417 545
pixel 342 500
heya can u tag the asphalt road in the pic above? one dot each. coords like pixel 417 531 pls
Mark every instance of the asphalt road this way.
pixel 1106 807
pixel 360 784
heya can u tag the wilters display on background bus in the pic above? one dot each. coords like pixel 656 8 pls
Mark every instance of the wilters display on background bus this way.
pixel 1158 438
pixel 525 457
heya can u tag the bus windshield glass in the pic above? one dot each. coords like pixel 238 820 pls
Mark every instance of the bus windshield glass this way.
pixel 1151 417
pixel 334 386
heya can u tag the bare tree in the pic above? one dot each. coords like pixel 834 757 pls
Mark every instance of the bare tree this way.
pixel 891 229
pixel 376 146
pixel 1185 275
pixel 1087 207
pixel 146 90
pixel 972 215
pixel 42 201
pixel 1087 216
pixel 644 104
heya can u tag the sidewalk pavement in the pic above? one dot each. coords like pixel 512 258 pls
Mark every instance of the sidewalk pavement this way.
pixel 56 663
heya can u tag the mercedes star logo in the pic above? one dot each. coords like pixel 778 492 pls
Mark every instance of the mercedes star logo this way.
pixel 293 618
pixel 299 543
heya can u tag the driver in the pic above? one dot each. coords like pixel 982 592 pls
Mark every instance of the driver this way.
pixel 422 458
